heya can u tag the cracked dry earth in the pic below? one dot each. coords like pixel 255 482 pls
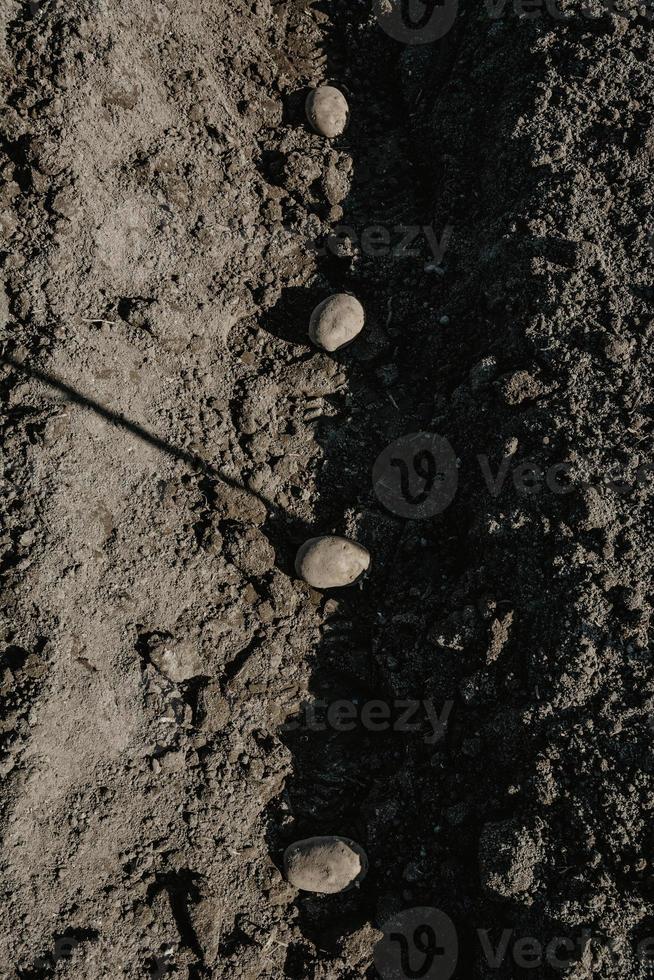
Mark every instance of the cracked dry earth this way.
pixel 170 438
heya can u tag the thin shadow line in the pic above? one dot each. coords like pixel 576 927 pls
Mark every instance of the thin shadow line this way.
pixel 121 422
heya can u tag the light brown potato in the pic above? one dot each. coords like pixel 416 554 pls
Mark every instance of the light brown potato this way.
pixel 336 321
pixel 327 111
pixel 325 865
pixel 331 562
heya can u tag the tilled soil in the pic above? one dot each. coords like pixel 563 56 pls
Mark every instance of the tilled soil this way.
pixel 170 438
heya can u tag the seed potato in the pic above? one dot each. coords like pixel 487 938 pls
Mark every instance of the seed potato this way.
pixel 327 111
pixel 325 865
pixel 331 562
pixel 336 321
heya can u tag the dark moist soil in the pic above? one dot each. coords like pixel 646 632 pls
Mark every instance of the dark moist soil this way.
pixel 170 438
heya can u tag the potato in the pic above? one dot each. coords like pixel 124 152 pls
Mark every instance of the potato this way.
pixel 325 865
pixel 331 562
pixel 336 321
pixel 327 111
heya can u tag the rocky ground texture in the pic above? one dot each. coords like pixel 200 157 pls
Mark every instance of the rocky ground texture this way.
pixel 170 437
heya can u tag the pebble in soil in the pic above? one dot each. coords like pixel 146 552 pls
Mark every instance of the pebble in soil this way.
pixel 331 562
pixel 325 865
pixel 336 322
pixel 327 111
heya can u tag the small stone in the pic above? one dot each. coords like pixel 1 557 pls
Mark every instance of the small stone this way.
pixel 336 321
pixel 327 111
pixel 325 865
pixel 331 562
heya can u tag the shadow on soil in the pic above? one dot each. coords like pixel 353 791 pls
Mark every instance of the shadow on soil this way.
pixel 340 782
